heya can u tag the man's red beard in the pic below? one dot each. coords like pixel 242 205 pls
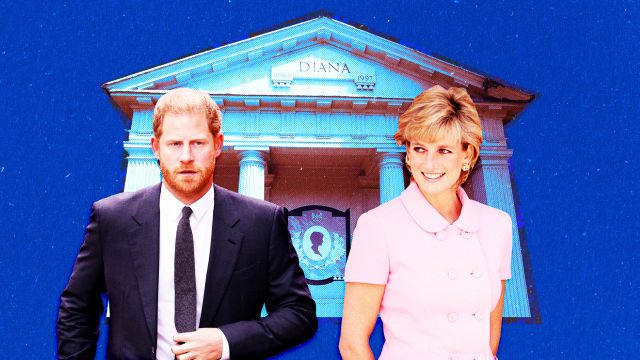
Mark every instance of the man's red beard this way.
pixel 188 186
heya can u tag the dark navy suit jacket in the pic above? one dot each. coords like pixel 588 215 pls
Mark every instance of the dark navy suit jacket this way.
pixel 251 263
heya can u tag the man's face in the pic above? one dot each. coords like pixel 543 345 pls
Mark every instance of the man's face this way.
pixel 187 151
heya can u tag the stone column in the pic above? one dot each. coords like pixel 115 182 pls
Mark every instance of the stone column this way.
pixel 142 171
pixel 252 173
pixel 142 166
pixel 391 175
pixel 492 185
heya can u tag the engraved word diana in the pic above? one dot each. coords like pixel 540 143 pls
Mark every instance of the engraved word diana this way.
pixel 325 67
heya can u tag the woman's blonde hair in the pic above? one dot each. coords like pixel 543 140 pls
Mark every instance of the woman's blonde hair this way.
pixel 438 113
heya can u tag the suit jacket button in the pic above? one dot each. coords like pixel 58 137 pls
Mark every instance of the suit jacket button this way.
pixel 452 317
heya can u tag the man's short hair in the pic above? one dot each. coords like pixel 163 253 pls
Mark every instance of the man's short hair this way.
pixel 185 100
pixel 442 114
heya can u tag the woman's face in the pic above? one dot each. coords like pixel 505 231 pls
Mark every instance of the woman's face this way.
pixel 436 166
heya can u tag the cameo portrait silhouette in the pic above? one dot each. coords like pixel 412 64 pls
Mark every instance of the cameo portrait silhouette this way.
pixel 320 235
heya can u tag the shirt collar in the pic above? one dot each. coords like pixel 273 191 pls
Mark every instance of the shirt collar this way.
pixel 173 207
pixel 430 219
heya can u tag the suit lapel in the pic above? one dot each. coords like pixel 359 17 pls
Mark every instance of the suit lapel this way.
pixel 144 244
pixel 225 244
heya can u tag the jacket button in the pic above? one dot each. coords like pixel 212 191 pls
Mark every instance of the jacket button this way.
pixel 441 235
pixel 476 273
pixel 478 316
pixel 452 317
pixel 465 234
pixel 452 275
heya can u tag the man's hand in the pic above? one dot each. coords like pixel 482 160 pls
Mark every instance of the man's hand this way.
pixel 202 344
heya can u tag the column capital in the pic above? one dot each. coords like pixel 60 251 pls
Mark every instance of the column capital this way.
pixel 252 173
pixel 139 150
pixel 253 156
pixel 494 156
pixel 391 158
pixel 391 175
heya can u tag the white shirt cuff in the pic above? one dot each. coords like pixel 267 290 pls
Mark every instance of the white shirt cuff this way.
pixel 225 347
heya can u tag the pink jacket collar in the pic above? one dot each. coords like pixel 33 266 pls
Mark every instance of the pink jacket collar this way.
pixel 430 219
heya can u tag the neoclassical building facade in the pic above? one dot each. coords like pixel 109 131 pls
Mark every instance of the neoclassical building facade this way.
pixel 309 113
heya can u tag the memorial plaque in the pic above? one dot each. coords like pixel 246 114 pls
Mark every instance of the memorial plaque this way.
pixel 321 237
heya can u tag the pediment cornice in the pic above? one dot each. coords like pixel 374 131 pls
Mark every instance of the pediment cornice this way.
pixel 138 88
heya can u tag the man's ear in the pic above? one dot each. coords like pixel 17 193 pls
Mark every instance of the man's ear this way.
pixel 155 147
pixel 218 140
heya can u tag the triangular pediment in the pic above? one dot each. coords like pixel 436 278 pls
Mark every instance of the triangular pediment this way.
pixel 322 57
pixel 317 70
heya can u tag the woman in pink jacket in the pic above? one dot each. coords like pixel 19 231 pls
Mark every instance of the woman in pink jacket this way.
pixel 431 262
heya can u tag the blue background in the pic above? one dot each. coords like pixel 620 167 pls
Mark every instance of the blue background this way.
pixel 575 159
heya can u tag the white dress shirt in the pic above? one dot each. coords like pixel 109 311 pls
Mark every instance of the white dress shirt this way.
pixel 201 221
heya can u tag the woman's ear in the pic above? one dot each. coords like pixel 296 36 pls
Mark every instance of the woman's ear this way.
pixel 468 154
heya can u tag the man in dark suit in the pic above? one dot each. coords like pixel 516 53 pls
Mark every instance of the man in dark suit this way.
pixel 186 265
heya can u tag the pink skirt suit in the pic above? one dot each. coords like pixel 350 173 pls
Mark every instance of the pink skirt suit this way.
pixel 442 280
